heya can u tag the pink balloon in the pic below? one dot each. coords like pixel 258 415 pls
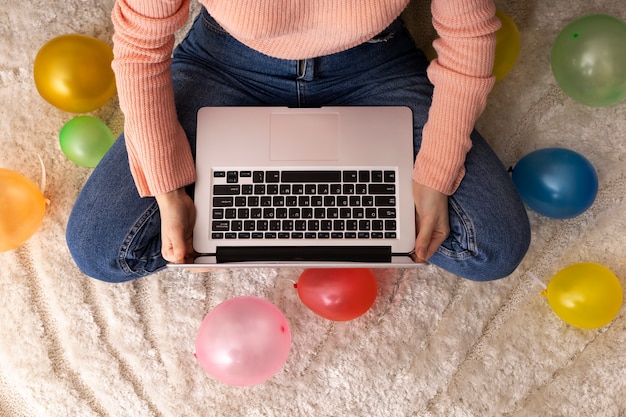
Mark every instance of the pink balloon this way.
pixel 243 341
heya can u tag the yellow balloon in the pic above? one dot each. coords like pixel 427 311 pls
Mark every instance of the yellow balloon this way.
pixel 586 295
pixel 508 45
pixel 22 207
pixel 73 72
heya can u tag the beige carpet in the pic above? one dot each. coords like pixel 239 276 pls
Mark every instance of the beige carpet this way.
pixel 432 345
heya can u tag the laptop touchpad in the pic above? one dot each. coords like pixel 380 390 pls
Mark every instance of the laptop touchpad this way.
pixel 304 137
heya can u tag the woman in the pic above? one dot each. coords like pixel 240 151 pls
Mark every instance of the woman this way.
pixel 470 219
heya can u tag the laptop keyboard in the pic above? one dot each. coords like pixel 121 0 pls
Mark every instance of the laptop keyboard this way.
pixel 304 204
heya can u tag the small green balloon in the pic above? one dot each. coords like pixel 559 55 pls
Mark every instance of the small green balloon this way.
pixel 85 140
pixel 589 60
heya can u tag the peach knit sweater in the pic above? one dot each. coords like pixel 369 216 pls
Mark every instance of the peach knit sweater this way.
pixel 158 150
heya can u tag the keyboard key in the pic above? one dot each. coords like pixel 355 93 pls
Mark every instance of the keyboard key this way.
pixel 382 188
pixel 243 213
pixel 275 225
pixel 389 176
pixel 311 176
pixel 232 177
pixel 268 213
pixel 227 189
pixel 364 176
pixel 281 213
pixel 349 176
pixel 258 176
pixel 223 201
pixel 387 213
pixel 294 213
pixel 313 225
pixel 384 201
pixel 220 226
pixel 272 176
pixel 377 176
pixel 218 214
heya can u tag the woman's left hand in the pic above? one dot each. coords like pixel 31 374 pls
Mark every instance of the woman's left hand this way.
pixel 432 221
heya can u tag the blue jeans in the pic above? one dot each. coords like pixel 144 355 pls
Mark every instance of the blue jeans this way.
pixel 114 235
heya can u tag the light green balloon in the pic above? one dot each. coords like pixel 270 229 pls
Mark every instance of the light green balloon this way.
pixel 85 140
pixel 589 60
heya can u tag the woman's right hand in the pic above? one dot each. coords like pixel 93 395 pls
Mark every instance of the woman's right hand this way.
pixel 178 216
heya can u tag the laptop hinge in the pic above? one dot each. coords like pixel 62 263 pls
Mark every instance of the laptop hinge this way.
pixel 378 254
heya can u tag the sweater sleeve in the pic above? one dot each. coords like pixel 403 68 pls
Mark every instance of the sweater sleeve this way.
pixel 158 151
pixel 462 79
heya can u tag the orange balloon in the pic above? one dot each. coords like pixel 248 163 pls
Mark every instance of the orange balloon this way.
pixel 22 207
pixel 338 294
pixel 73 73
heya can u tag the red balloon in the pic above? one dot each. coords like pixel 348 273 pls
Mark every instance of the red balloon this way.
pixel 338 294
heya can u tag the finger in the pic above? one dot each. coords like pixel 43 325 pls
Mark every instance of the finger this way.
pixel 423 242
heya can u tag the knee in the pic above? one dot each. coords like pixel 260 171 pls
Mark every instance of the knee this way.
pixel 89 253
pixel 488 261
pixel 500 258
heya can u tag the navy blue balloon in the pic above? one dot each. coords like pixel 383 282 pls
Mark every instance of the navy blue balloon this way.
pixel 556 182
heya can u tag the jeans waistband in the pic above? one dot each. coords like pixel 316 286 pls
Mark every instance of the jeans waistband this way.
pixel 385 35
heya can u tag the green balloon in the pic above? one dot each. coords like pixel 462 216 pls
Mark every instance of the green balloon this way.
pixel 589 60
pixel 85 140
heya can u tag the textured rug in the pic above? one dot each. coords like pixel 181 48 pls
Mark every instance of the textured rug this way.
pixel 432 344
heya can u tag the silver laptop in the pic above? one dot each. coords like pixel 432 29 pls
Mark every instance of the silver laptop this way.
pixel 304 187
